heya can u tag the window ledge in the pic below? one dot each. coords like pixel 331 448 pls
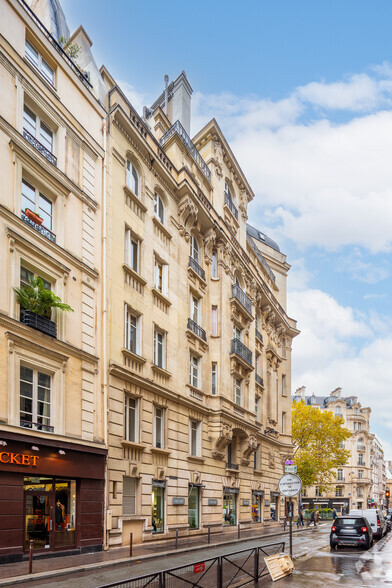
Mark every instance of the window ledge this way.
pixel 126 443
pixel 134 356
pixel 258 472
pixel 134 274
pixel 135 198
pixel 161 227
pixel 161 296
pixel 232 470
pixel 159 450
pixel 196 458
pixel 160 370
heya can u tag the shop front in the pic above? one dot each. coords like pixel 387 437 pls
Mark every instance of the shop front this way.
pixel 158 506
pixel 274 506
pixel 257 501
pixel 51 493
pixel 230 506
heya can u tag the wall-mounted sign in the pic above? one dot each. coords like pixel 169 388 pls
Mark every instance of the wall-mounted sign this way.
pixel 200 567
pixel 245 503
pixel 178 500
pixel 19 458
pixel 267 502
pixel 159 484
pixel 231 490
pixel 212 502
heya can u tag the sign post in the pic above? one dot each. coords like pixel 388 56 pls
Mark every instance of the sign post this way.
pixel 290 485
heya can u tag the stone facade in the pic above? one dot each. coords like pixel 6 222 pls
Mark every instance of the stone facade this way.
pixel 379 476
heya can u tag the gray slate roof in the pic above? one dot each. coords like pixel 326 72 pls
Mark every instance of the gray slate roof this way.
pixel 256 234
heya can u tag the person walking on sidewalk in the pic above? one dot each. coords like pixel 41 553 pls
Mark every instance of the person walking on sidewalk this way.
pixel 301 517
pixel 334 513
pixel 312 518
pixel 317 517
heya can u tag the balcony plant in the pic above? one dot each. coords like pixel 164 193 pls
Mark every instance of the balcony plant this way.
pixel 33 216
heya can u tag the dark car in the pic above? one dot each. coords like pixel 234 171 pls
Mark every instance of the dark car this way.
pixel 388 519
pixel 351 530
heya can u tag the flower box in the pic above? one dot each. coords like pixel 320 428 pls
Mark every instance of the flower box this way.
pixel 41 323
pixel 33 217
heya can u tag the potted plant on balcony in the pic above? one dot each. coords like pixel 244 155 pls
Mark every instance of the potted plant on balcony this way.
pixel 33 216
pixel 36 303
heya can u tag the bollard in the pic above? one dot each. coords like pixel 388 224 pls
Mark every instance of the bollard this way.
pixel 209 535
pixel 31 556
pixel 239 530
pixel 176 538
pixel 130 544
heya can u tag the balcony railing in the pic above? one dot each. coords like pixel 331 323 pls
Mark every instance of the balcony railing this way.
pixel 231 466
pixel 36 426
pixel 259 380
pixel 361 463
pixel 194 327
pixel 39 147
pixel 40 228
pixel 241 350
pixel 196 268
pixel 231 206
pixel 361 447
pixel 259 336
pixel 242 298
pixel 178 129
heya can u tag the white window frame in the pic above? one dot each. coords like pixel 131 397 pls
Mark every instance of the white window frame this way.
pixel 132 178
pixel 196 308
pixel 36 204
pixel 161 276
pixel 214 264
pixel 194 370
pixel 338 491
pixel 127 408
pixel 129 312
pixel 159 208
pixel 340 475
pixel 194 438
pixel 35 400
pixel 36 59
pixel 257 407
pixel 194 249
pixel 237 333
pixel 159 339
pixel 132 242
pixel 37 129
pixel 159 416
pixel 238 391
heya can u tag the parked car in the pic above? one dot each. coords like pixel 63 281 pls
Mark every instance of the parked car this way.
pixel 375 518
pixel 351 530
pixel 388 518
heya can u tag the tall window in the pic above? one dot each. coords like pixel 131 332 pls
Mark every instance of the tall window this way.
pixel 214 320
pixel 37 129
pixel 131 419
pixel 214 267
pixel 129 496
pixel 132 331
pixel 194 438
pixel 159 208
pixel 26 275
pixel 195 309
pixel 39 62
pixel 159 427
pixel 338 411
pixel 360 459
pixel 132 250
pixel 283 385
pixel 237 333
pixel 237 391
pixel 340 475
pixel 35 399
pixel 161 271
pixel 360 492
pixel 38 203
pixel 283 423
pixel 360 474
pixel 132 178
pixel 194 249
pixel 194 370
pixel 318 492
pixel 283 347
pixel 257 407
pixel 214 377
pixel 159 348
pixel 231 452
pixel 339 491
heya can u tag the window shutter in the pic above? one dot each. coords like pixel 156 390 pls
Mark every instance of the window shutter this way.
pixel 129 496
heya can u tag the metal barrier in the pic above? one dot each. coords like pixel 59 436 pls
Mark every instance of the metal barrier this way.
pixel 239 568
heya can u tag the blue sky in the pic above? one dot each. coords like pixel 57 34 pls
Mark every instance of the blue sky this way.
pixel 303 91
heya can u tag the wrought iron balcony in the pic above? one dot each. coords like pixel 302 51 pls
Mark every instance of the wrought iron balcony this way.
pixel 241 350
pixel 196 268
pixel 178 129
pixel 36 426
pixel 194 327
pixel 231 206
pixel 259 336
pixel 259 380
pixel 231 466
pixel 40 228
pixel 361 463
pixel 242 298
pixel 361 447
pixel 39 147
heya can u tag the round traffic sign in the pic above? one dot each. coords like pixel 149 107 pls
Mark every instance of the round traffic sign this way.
pixel 290 485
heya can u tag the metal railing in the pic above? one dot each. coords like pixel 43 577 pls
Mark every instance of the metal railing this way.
pixel 36 426
pixel 56 45
pixel 40 228
pixel 259 336
pixel 194 327
pixel 231 206
pixel 39 147
pixel 361 463
pixel 240 349
pixel 240 295
pixel 236 569
pixel 361 447
pixel 197 268
pixel 259 380
pixel 178 129
pixel 231 466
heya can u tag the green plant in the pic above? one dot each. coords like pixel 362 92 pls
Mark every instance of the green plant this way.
pixel 33 211
pixel 38 299
pixel 71 49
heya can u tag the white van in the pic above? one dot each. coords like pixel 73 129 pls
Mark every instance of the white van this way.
pixel 376 520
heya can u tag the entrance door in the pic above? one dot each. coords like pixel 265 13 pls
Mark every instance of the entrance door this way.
pixel 38 525
pixel 229 509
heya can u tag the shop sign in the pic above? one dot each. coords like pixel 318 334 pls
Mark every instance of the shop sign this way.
pixel 21 459
pixel 158 484
pixel 231 490
pixel 200 567
pixel 212 502
pixel 178 500
pixel 258 492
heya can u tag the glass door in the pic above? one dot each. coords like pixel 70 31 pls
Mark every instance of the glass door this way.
pixel 65 513
pixel 38 523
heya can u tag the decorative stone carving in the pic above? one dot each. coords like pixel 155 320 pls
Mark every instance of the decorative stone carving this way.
pixel 225 436
pixel 187 211
pixel 209 243
pixel 251 446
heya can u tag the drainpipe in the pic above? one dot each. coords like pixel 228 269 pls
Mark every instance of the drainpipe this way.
pixel 104 354
pixel 166 93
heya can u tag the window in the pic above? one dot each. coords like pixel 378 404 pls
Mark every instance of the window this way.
pixel 132 331
pixel 340 475
pixel 26 275
pixel 283 423
pixel 231 453
pixel 339 491
pixel 194 371
pixel 35 399
pixel 214 268
pixel 37 129
pixel 257 458
pixel 161 271
pixel 360 492
pixel 355 411
pixel 39 62
pixel 194 249
pixel 257 407
pixel 318 492
pixel 159 427
pixel 283 385
pixel 132 250
pixel 159 208
pixel 357 426
pixel 214 321
pixel 360 459
pixel 229 193
pixel 129 496
pixel 237 333
pixel 131 419
pixel 195 310
pixel 194 438
pixel 159 348
pixel 338 411
pixel 132 178
pixel 214 377
pixel 193 506
pixel 38 203
pixel 237 391
pixel 360 474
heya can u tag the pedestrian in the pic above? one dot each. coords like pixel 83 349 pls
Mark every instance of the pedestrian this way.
pixel 316 518
pixel 343 511
pixel 334 513
pixel 301 517
pixel 312 518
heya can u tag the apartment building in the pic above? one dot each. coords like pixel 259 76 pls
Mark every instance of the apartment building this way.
pixel 52 449
pixel 379 472
pixel 354 483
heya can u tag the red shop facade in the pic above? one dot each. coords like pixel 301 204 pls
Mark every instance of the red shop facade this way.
pixel 51 492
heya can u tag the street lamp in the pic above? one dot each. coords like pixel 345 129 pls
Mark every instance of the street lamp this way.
pixel 387 498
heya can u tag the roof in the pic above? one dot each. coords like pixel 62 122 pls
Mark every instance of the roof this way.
pixel 260 257
pixel 322 400
pixel 256 234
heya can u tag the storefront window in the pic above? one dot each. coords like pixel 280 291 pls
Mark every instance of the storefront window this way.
pixel 193 507
pixel 65 513
pixel 158 523
pixel 229 509
pixel 256 508
pixel 274 508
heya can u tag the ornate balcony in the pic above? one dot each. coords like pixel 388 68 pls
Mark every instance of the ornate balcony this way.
pixel 40 323
pixel 259 380
pixel 240 295
pixel 40 228
pixel 259 336
pixel 194 327
pixel 361 447
pixel 36 426
pixel 39 147
pixel 241 350
pixel 178 129
pixel 231 206
pixel 197 268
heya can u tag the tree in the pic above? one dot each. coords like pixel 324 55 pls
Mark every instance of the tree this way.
pixel 317 439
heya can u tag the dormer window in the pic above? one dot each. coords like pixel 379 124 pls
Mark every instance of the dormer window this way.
pixel 132 178
pixel 39 62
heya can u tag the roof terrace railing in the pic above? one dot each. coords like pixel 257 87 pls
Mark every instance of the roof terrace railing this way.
pixel 178 129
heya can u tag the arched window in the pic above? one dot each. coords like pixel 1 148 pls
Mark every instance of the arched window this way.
pixel 194 249
pixel 159 208
pixel 132 178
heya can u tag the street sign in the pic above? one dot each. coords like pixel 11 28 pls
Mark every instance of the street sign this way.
pixel 290 469
pixel 200 567
pixel 290 485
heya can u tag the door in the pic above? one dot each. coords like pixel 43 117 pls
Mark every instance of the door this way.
pixel 38 522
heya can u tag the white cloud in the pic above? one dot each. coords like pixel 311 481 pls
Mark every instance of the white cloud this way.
pixel 354 265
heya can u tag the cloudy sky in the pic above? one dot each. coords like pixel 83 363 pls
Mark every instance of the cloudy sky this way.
pixel 303 91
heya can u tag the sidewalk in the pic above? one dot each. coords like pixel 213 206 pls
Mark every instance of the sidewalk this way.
pixel 43 568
